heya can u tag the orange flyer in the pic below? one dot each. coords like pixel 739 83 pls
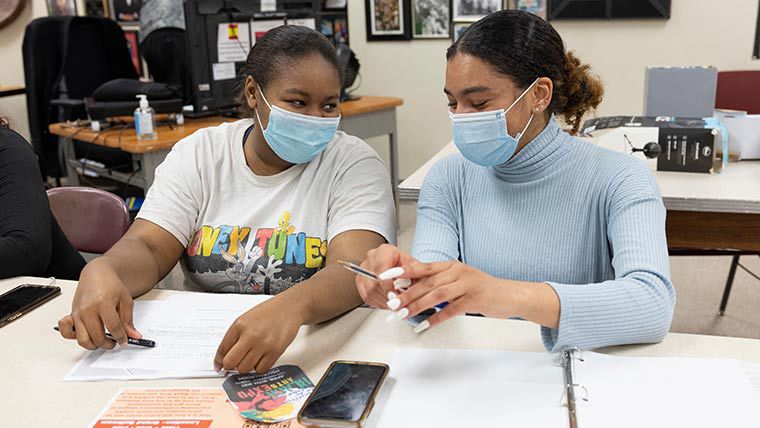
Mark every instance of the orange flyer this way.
pixel 176 408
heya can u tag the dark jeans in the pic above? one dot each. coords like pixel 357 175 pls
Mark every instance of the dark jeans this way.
pixel 165 52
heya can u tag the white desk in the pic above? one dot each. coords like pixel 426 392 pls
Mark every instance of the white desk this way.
pixel 34 358
pixel 705 211
pixel 734 190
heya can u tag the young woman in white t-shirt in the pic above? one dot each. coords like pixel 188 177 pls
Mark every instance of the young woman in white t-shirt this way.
pixel 262 205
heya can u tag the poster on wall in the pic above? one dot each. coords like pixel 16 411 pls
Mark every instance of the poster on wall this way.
pixel 536 7
pixel 431 19
pixel 126 10
pixel 131 35
pixel 96 8
pixel 335 29
pixel 259 28
pixel 458 28
pixel 388 20
pixel 62 7
pixel 472 10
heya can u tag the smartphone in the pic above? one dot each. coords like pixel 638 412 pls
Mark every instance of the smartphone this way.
pixel 344 396
pixel 23 299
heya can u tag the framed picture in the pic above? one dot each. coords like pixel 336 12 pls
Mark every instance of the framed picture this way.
pixel 62 7
pixel 458 28
pixel 96 8
pixel 536 7
pixel 131 35
pixel 472 10
pixel 388 20
pixel 431 19
pixel 340 33
pixel 126 10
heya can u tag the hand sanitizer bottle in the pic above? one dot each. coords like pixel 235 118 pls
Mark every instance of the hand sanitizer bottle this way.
pixel 145 123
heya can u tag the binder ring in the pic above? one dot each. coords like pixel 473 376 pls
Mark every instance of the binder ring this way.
pixel 575 352
pixel 565 391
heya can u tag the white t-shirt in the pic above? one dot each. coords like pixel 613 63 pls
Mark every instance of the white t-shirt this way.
pixel 245 233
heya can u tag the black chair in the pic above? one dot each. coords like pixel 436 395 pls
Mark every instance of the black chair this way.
pixel 65 60
pixel 735 263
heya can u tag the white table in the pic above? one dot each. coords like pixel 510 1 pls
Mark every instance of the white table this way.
pixel 705 211
pixel 734 190
pixel 34 358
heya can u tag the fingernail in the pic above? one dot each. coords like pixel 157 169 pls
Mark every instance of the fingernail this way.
pixel 402 313
pixel 393 304
pixel 421 327
pixel 391 273
pixel 402 283
pixel 391 317
pixel 391 296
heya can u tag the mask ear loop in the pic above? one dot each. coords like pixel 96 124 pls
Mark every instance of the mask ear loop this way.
pixel 522 95
pixel 520 134
pixel 256 110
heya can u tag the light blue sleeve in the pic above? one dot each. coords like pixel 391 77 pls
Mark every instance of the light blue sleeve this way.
pixel 436 236
pixel 637 306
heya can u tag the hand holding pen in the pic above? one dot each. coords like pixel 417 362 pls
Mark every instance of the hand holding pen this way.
pixel 131 341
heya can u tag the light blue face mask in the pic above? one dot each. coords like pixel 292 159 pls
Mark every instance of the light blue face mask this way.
pixel 483 137
pixel 297 138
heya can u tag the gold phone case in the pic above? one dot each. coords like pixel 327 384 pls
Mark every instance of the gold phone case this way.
pixel 317 423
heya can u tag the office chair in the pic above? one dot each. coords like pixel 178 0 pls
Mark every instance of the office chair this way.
pixel 93 219
pixel 65 60
pixel 737 90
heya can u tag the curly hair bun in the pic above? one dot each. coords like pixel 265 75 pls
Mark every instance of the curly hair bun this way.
pixel 577 92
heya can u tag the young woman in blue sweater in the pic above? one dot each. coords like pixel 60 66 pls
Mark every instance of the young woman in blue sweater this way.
pixel 529 221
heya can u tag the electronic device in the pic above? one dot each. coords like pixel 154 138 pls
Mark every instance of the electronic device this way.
pixel 608 9
pixel 688 150
pixel 682 144
pixel 23 299
pixel 680 91
pixel 344 396
pixel 215 80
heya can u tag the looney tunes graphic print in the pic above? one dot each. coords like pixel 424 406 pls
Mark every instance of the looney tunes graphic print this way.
pixel 264 260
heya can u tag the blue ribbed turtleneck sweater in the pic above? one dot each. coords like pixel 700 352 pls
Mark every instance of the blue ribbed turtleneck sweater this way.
pixel 588 221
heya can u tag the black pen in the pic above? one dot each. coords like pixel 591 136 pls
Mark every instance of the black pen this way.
pixel 137 342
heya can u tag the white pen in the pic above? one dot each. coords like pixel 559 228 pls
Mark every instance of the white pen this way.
pixel 399 284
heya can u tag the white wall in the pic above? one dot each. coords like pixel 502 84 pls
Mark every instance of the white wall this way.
pixel 12 69
pixel 700 32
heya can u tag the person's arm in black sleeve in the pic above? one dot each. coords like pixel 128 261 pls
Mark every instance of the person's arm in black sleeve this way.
pixel 25 237
pixel 65 260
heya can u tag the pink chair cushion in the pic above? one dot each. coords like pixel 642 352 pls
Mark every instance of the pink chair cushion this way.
pixel 92 219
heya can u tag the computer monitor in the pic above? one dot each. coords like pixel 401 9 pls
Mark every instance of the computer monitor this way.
pixel 219 35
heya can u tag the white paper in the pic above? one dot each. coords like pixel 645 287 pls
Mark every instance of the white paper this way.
pixel 84 372
pixel 455 388
pixel 304 22
pixel 259 28
pixel 268 5
pixel 233 41
pixel 223 70
pixel 670 392
pixel 335 4
pixel 753 374
pixel 187 329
